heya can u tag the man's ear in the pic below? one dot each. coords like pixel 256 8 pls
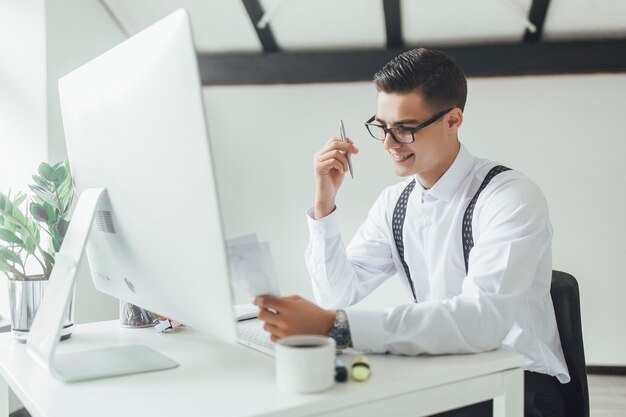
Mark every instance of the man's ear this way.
pixel 454 119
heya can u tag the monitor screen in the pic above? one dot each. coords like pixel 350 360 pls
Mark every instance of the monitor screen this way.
pixel 135 125
pixel 148 212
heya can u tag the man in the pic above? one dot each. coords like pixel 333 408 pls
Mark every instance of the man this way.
pixel 476 266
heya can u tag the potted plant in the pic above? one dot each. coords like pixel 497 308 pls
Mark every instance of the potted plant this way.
pixel 31 233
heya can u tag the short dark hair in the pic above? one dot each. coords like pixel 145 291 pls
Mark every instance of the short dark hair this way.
pixel 431 72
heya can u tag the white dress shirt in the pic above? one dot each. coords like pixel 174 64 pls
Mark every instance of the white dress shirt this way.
pixel 503 302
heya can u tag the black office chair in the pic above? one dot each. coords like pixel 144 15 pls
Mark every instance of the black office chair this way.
pixel 566 300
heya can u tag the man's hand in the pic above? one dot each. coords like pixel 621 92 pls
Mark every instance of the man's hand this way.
pixel 287 316
pixel 331 166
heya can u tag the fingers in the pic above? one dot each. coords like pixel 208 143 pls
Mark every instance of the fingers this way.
pixel 269 317
pixel 294 297
pixel 274 331
pixel 337 150
pixel 269 301
pixel 337 143
pixel 335 155
pixel 328 165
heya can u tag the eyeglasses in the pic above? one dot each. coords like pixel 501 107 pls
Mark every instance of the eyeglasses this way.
pixel 400 134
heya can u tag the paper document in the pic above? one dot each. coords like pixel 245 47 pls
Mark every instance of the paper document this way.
pixel 251 268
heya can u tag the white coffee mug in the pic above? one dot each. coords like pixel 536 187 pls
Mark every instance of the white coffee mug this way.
pixel 305 363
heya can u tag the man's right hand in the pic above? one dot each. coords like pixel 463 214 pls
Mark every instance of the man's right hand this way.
pixel 331 166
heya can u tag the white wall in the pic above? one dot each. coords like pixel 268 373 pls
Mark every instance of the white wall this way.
pixel 23 120
pixel 39 42
pixel 565 132
pixel 23 116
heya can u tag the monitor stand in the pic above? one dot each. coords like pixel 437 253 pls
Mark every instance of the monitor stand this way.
pixel 46 329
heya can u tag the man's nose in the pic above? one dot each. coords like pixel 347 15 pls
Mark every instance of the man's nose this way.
pixel 389 142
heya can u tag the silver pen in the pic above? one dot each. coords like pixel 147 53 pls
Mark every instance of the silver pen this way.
pixel 342 133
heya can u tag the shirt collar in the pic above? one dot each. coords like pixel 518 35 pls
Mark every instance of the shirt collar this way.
pixel 449 183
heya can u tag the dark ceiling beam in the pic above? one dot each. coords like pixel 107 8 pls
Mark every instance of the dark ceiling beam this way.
pixel 537 16
pixel 255 12
pixel 493 60
pixel 393 23
pixel 114 18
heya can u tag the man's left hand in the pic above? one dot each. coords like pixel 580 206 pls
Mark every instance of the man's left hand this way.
pixel 287 316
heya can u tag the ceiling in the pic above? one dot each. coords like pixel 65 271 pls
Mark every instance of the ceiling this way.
pixel 225 26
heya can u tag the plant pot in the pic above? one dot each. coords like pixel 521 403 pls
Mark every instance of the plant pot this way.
pixel 134 316
pixel 24 298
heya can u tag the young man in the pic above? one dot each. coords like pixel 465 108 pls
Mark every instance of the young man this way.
pixel 477 267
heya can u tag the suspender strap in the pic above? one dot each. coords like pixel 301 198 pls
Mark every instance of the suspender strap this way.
pixel 399 214
pixel 467 236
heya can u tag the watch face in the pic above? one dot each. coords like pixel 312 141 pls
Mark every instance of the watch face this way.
pixel 342 336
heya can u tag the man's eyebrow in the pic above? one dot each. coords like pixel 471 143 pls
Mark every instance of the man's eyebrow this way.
pixel 399 122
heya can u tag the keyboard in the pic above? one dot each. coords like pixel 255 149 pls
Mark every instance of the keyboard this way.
pixel 252 334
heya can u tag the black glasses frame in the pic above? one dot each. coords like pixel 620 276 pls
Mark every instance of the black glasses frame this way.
pixel 389 130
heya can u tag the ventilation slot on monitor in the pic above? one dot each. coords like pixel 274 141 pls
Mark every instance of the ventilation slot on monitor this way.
pixel 104 221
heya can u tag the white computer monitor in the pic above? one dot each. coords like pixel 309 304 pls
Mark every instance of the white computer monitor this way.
pixel 148 209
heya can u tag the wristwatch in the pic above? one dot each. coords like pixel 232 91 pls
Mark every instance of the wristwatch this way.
pixel 341 330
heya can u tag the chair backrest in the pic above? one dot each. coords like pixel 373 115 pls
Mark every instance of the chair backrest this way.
pixel 566 300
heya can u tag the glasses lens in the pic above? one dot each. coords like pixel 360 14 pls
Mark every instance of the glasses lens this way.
pixel 402 135
pixel 376 131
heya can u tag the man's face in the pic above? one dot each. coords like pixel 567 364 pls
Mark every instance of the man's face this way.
pixel 432 143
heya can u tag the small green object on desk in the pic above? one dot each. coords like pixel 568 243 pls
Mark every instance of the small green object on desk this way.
pixel 360 368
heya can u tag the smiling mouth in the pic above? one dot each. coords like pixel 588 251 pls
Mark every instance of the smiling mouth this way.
pixel 401 157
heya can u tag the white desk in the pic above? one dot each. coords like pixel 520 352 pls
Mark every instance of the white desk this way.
pixel 217 379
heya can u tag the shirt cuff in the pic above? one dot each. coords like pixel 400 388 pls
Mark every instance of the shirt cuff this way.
pixel 323 228
pixel 367 329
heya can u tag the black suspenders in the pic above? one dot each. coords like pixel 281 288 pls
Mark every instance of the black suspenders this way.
pixel 399 213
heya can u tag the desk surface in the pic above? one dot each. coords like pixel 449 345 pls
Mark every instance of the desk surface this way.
pixel 218 379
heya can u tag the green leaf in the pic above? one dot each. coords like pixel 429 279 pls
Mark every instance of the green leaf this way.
pixel 56 243
pixel 19 199
pixel 52 212
pixel 45 195
pixel 6 206
pixel 9 225
pixel 4 267
pixel 9 255
pixel 61 228
pixel 40 181
pixel 48 259
pixel 10 237
pixel 46 171
pixel 34 229
pixel 59 174
pixel 18 215
pixel 39 213
pixel 66 164
pixel 29 245
pixel 58 164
